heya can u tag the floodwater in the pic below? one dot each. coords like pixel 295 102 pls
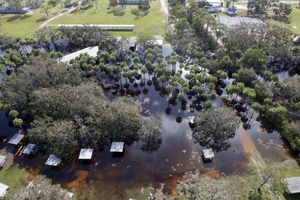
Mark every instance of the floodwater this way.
pixel 110 177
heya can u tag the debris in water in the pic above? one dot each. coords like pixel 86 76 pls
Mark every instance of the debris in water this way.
pixel 184 150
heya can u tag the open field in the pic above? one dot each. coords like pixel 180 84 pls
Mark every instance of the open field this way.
pixel 295 20
pixel 14 177
pixel 20 27
pixel 152 24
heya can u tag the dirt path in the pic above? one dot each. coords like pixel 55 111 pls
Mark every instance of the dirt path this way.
pixel 164 7
pixel 57 16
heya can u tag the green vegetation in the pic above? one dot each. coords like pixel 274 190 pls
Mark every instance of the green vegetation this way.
pixel 152 24
pixel 18 25
pixel 14 177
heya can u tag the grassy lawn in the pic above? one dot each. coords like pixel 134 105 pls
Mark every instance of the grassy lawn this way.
pixel 295 21
pixel 20 27
pixel 13 177
pixel 152 24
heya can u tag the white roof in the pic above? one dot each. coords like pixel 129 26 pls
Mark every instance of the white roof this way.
pixel 208 153
pixel 29 148
pixel 117 147
pixel 2 158
pixel 3 189
pixel 16 139
pixel 132 41
pixel 158 42
pixel 92 51
pixel 96 25
pixel 86 153
pixel 52 160
pixel 293 184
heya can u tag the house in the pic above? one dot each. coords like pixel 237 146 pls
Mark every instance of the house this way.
pixel 293 185
pixel 3 189
pixel 231 10
pixel 2 159
pixel 208 154
pixel 86 154
pixel 134 1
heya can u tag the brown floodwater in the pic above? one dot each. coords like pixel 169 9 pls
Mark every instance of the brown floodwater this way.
pixel 111 177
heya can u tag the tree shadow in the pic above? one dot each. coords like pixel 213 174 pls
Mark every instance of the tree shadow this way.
pixel 42 19
pixel 13 18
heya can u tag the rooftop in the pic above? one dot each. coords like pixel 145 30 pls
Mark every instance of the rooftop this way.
pixel 3 189
pixel 132 41
pixel 208 153
pixel 86 153
pixel 293 185
pixel 92 51
pixel 117 147
pixel 52 160
pixel 16 139
pixel 2 159
pixel 29 148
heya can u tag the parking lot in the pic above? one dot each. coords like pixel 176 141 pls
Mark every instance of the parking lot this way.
pixel 235 20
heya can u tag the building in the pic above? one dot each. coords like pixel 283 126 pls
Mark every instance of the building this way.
pixel 28 148
pixel 16 139
pixel 293 185
pixel 3 189
pixel 52 160
pixel 134 1
pixel 132 43
pixel 213 9
pixel 208 154
pixel 91 51
pixel 117 147
pixel 86 154
pixel 231 10
pixel 2 160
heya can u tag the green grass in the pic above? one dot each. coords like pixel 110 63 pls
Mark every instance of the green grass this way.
pixel 25 27
pixel 295 20
pixel 13 177
pixel 151 24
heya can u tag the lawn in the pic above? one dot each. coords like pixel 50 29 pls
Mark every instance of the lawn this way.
pixel 24 25
pixel 152 24
pixel 295 21
pixel 13 177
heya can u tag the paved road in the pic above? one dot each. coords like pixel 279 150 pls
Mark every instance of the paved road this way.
pixel 164 7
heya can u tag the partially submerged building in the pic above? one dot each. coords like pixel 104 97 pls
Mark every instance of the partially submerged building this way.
pixel 16 139
pixel 117 147
pixel 231 10
pixel 132 43
pixel 52 160
pixel 91 51
pixel 29 148
pixel 86 154
pixel 208 154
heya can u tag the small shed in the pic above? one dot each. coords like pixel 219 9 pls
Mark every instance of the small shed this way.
pixel 86 153
pixel 16 139
pixel 69 195
pixel 132 43
pixel 52 160
pixel 3 189
pixel 293 185
pixel 29 148
pixel 2 159
pixel 208 154
pixel 158 43
pixel 117 147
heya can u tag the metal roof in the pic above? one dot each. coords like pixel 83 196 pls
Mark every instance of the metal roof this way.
pixel 86 153
pixel 132 41
pixel 91 51
pixel 16 139
pixel 3 189
pixel 52 160
pixel 96 25
pixel 293 185
pixel 117 147
pixel 2 159
pixel 29 148
pixel 208 153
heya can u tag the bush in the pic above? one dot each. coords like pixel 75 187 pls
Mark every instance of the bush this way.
pixel 24 17
pixel 52 2
pixel 13 18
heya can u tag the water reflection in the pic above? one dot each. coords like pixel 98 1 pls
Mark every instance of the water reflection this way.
pixel 111 176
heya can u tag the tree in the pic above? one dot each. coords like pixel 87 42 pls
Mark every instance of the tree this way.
pixel 13 113
pixel 41 188
pixel 182 26
pixel 45 9
pixel 255 58
pixel 215 125
pixel 246 76
pixel 17 122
